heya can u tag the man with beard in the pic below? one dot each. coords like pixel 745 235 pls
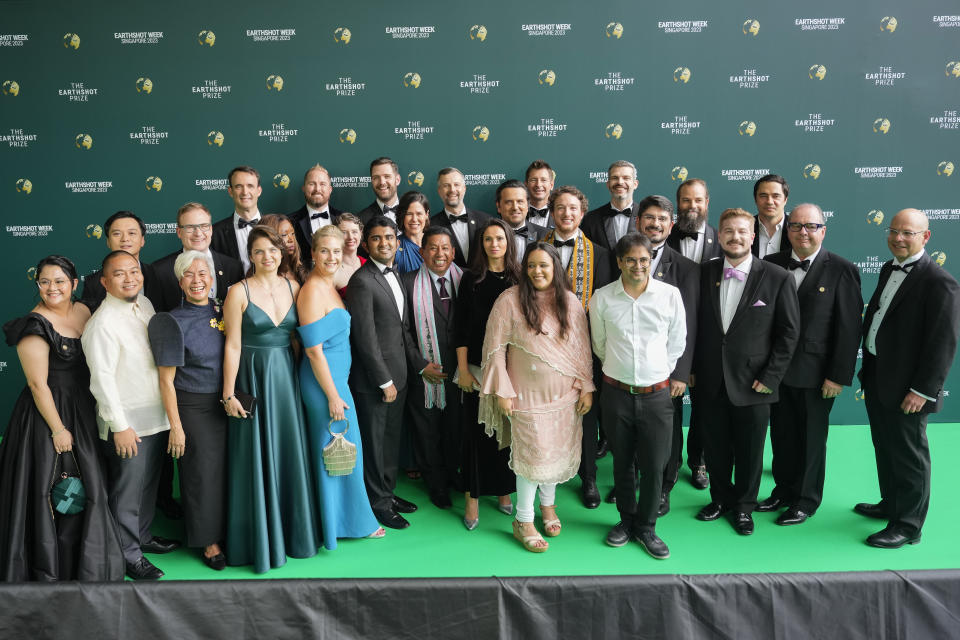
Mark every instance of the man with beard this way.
pixel 461 221
pixel 316 211
pixel 607 224
pixel 696 240
pixel 512 206
pixel 539 180
pixel 384 180
pixel 770 193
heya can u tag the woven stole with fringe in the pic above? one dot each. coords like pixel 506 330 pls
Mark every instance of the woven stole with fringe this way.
pixel 580 269
pixel 433 394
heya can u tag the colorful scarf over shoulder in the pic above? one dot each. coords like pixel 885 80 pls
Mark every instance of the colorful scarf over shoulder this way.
pixel 580 269
pixel 434 395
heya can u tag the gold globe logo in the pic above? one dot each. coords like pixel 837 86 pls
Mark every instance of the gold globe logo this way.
pixel 953 69
pixel 10 88
pixel 32 273
pixel 144 85
pixel 215 138
pixel 415 178
pixel 411 79
pixel 681 75
pixel 888 24
pixel 614 30
pixel 881 125
pixel 281 181
pixel 94 231
pixel 939 257
pixel 83 141
pixel 679 174
pixel 274 83
pixel 817 72
pixel 154 183
pixel 858 395
pixel 348 136
pixel 747 128
pixel 206 38
pixel 71 41
pixel 547 77
pixel 613 130
pixel 811 170
pixel 751 27
pixel 24 185
pixel 342 35
pixel 945 168
pixel 481 133
pixel 478 32
pixel 875 217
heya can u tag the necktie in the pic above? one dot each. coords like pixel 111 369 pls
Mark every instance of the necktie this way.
pixel 693 235
pixel 905 268
pixel 730 272
pixel 460 218
pixel 241 223
pixel 323 214
pixel 522 232
pixel 444 295
pixel 798 264
pixel 653 254
pixel 572 242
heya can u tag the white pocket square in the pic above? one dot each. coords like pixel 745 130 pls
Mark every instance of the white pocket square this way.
pixel 759 303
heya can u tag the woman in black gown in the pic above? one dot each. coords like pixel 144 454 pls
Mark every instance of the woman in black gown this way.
pixel 53 416
pixel 493 269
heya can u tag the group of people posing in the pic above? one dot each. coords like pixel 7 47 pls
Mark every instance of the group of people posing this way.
pixel 281 359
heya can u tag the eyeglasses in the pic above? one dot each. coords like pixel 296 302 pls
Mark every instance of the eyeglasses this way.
pixel 811 227
pixel 197 228
pixel 46 284
pixel 636 261
pixel 909 235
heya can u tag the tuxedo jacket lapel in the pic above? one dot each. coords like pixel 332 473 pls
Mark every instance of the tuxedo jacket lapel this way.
pixel 915 274
pixel 382 281
pixel 749 291
pixel 814 271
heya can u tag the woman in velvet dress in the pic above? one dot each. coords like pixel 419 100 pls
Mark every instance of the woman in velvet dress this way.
pixel 325 332
pixel 270 507
pixel 54 415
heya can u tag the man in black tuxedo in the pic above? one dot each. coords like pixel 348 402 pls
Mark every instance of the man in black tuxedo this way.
pixel 910 339
pixel 607 224
pixel 747 330
pixel 230 234
pixel 828 288
pixel 513 209
pixel 455 216
pixel 696 240
pixel 384 180
pixel 539 180
pixel 655 221
pixel 316 211
pixel 588 267
pixel 125 232
pixel 770 236
pixel 433 398
pixel 194 230
pixel 378 378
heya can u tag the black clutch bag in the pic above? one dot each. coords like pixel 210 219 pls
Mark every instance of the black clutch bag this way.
pixel 247 402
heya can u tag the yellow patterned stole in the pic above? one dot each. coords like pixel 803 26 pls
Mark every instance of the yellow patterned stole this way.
pixel 580 269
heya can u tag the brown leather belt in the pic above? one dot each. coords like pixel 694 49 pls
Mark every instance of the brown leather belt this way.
pixel 636 390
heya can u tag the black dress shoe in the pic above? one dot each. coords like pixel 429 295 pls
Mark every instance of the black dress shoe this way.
pixel 590 494
pixel 699 478
pixel 612 496
pixel 871 510
pixel 742 523
pixel 619 535
pixel 653 545
pixel 143 569
pixel 664 507
pixel 170 508
pixel 217 562
pixel 441 501
pixel 792 515
pixel 403 506
pixel 711 512
pixel 770 504
pixel 160 545
pixel 392 519
pixel 602 448
pixel 893 537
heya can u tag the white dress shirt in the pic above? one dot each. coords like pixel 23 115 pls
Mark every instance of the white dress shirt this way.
pixel 770 243
pixel 693 249
pixel 638 340
pixel 123 376
pixel 317 223
pixel 621 221
pixel 460 229
pixel 390 214
pixel 566 252
pixel 731 290
pixel 242 235
pixel 393 279
pixel 800 274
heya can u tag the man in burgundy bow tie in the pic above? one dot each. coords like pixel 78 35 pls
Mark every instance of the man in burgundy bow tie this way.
pixel 747 329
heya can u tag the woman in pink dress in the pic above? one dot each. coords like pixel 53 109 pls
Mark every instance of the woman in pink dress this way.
pixel 537 384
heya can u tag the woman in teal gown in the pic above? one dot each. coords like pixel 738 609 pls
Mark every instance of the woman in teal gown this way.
pixel 344 507
pixel 270 510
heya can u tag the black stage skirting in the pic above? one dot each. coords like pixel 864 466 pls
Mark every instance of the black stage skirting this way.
pixel 921 605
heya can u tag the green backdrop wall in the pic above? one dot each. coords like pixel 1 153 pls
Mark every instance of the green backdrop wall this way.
pixel 145 106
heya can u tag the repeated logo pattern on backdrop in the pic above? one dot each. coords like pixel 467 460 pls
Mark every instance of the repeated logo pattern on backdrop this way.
pixel 856 105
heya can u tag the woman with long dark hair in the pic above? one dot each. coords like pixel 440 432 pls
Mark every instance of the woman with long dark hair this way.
pixel 413 217
pixel 296 269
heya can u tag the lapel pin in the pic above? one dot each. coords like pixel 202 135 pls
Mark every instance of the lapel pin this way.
pixel 709 240
pixel 659 274
pixel 220 273
pixel 822 289
pixel 718 284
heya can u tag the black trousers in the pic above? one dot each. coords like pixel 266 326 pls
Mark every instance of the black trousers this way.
pixel 903 457
pixel 672 470
pixel 799 423
pixel 436 438
pixel 203 467
pixel 695 437
pixel 734 440
pixel 379 423
pixel 639 428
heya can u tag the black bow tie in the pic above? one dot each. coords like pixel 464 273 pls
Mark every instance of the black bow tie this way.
pixel 905 268
pixel 522 232
pixel 572 242
pixel 323 214
pixel 693 235
pixel 387 270
pixel 625 212
pixel 388 210
pixel 241 223
pixel 539 213
pixel 798 264
pixel 460 218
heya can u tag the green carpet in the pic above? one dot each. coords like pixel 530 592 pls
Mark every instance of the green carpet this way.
pixel 437 545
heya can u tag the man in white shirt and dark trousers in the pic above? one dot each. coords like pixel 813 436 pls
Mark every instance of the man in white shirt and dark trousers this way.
pixel 130 414
pixel 638 330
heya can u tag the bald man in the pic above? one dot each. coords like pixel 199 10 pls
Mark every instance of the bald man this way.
pixel 909 340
